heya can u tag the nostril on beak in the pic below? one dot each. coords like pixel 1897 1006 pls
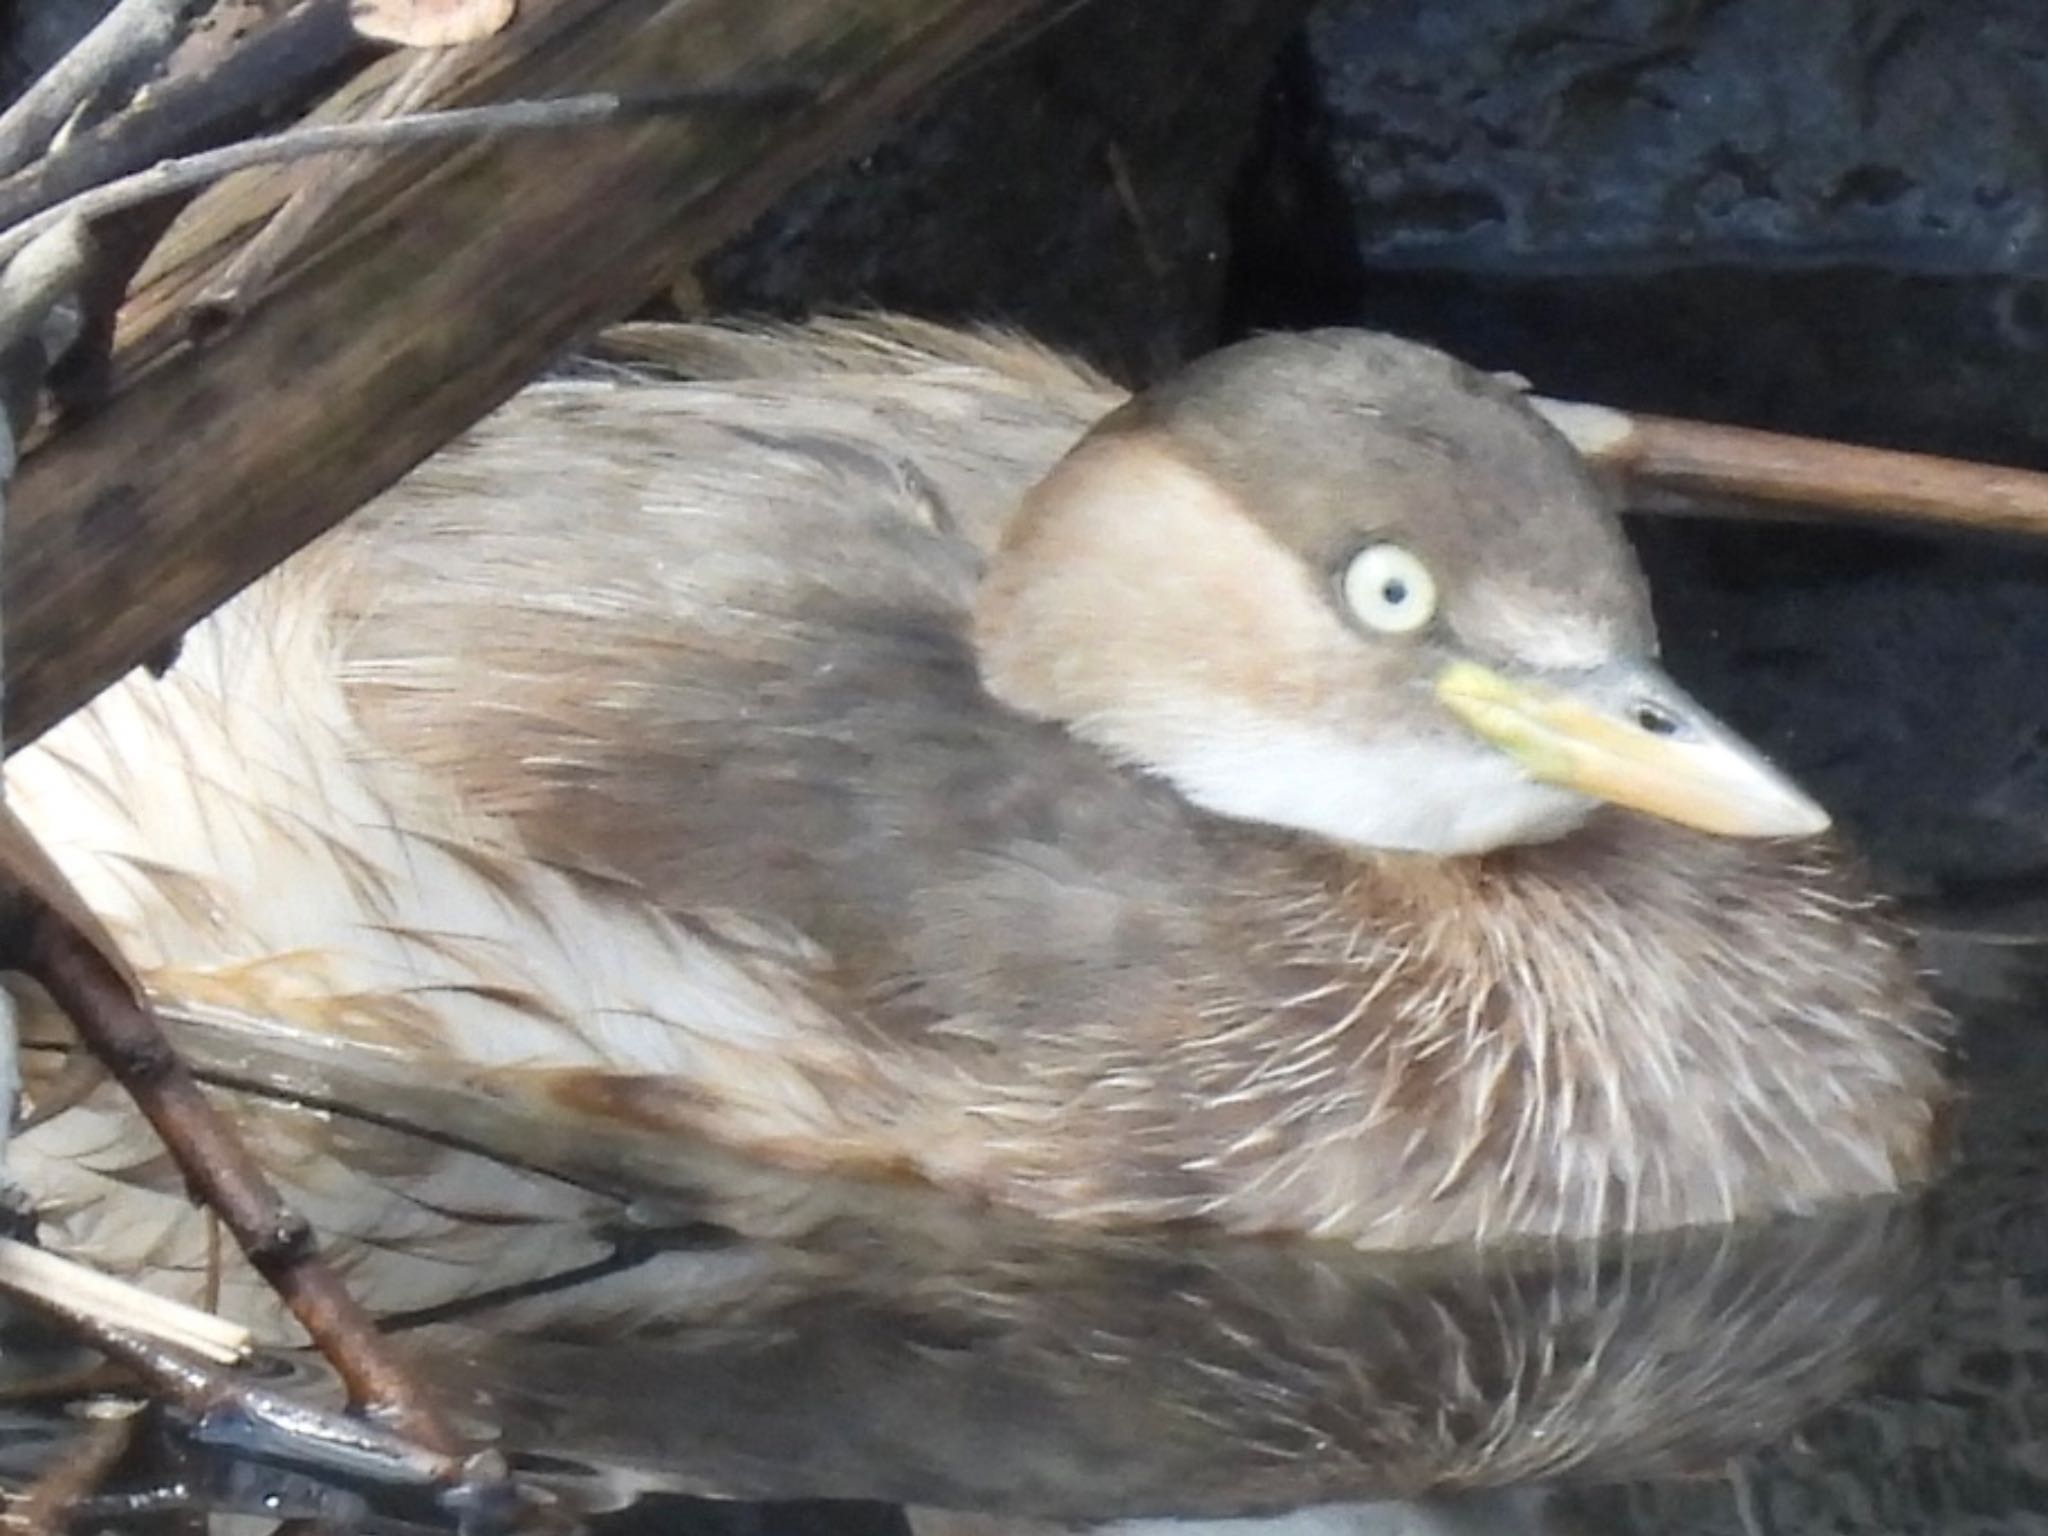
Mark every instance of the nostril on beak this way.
pixel 1655 719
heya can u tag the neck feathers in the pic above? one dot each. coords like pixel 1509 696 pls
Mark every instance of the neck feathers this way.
pixel 1644 1030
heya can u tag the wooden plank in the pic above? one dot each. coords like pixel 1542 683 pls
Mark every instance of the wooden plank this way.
pixel 433 291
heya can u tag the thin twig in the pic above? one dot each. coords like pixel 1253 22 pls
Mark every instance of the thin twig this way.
pixel 1693 464
pixel 131 38
pixel 48 269
pixel 216 1257
pixel 43 941
pixel 226 87
pixel 45 1509
pixel 265 79
pixel 287 228
pixel 596 108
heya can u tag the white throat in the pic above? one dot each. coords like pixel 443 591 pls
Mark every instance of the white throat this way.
pixel 1431 796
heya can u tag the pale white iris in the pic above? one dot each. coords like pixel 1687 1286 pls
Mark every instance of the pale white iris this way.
pixel 1389 589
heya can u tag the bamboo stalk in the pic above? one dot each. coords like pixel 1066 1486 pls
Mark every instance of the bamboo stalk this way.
pixel 56 1281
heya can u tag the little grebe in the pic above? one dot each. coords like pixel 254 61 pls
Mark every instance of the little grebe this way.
pixel 1279 822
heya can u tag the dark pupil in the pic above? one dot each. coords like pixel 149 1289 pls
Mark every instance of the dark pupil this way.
pixel 1395 592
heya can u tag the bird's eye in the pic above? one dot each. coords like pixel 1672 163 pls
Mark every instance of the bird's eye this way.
pixel 1389 589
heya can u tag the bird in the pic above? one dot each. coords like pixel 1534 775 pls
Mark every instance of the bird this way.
pixel 866 755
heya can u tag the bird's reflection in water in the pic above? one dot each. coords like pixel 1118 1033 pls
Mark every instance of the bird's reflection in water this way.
pixel 1949 1436
pixel 973 1365
pixel 882 1344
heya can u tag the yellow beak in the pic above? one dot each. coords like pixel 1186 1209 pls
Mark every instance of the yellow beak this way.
pixel 1627 735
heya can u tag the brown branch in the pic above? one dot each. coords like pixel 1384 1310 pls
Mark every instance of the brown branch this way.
pixel 42 936
pixel 1688 465
pixel 45 273
pixel 436 287
pixel 69 1384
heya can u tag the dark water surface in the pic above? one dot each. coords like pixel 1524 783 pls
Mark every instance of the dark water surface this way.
pixel 1880 1368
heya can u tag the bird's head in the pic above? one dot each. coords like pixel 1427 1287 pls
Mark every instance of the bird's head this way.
pixel 1343 584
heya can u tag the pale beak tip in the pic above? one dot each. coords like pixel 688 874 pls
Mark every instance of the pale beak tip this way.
pixel 1770 805
pixel 1800 818
pixel 1805 818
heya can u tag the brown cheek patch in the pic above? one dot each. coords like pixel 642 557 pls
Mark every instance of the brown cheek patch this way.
pixel 1128 576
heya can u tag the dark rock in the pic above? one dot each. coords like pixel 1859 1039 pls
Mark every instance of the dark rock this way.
pixel 1899 676
pixel 1078 187
pixel 1638 132
pixel 35 34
